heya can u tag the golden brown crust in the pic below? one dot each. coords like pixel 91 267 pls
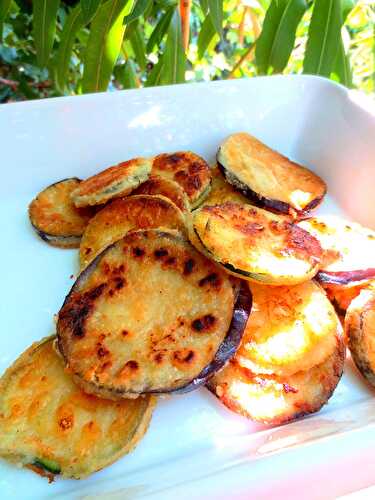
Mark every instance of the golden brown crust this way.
pixel 275 399
pixel 120 216
pixel 342 295
pixel 189 170
pixel 148 315
pixel 157 185
pixel 256 244
pixel 221 191
pixel 54 216
pixel 290 329
pixel 45 418
pixel 268 174
pixel 360 332
pixel 113 182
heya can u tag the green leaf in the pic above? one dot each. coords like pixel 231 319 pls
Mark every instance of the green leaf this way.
pixel 138 45
pixel 204 6
pixel 206 34
pixel 127 75
pixel 342 71
pixel 174 58
pixel 4 9
pixel 154 78
pixel 103 45
pixel 216 13
pixel 89 9
pixel 346 7
pixel 138 10
pixel 159 31
pixel 73 24
pixel 276 41
pixel 44 28
pixel 323 37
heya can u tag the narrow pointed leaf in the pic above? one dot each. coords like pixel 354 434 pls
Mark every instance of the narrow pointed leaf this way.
pixel 323 37
pixel 174 58
pixel 216 14
pixel 127 75
pixel 103 45
pixel 138 45
pixel 44 28
pixel 73 24
pixel 278 35
pixel 346 7
pixel 4 8
pixel 155 75
pixel 138 10
pixel 89 9
pixel 206 34
pixel 341 70
pixel 204 6
pixel 159 31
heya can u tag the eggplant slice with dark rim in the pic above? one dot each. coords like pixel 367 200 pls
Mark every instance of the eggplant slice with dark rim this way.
pixel 54 216
pixel 50 426
pixel 349 249
pixel 150 315
pixel 267 178
pixel 257 245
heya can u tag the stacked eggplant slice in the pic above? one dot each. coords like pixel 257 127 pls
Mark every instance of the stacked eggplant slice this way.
pixel 189 276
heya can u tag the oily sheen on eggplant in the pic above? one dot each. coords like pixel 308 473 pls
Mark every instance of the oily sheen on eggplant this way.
pixel 157 185
pixel 257 245
pixel 267 178
pixel 51 426
pixel 150 315
pixel 54 216
pixel 349 249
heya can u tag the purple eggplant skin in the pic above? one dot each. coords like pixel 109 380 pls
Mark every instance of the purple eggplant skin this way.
pixel 345 277
pixel 276 206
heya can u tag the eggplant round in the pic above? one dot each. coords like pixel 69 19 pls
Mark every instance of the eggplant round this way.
pixel 349 249
pixel 157 185
pixel 54 216
pixel 150 315
pixel 49 425
pixel 189 170
pixel 257 245
pixel 267 178
pixel 360 332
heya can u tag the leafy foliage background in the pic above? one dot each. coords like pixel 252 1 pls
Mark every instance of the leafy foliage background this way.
pixel 53 47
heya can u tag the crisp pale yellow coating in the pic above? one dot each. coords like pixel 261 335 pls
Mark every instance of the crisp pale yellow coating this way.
pixel 360 332
pixel 44 416
pixel 189 170
pixel 52 213
pixel 222 191
pixel 120 216
pixel 157 185
pixel 256 244
pixel 148 316
pixel 290 329
pixel 279 399
pixel 113 182
pixel 269 174
pixel 348 246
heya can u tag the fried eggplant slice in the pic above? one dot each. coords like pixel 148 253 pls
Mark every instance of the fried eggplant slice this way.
pixel 349 249
pixel 273 399
pixel 113 182
pixel 222 191
pixel 150 315
pixel 360 332
pixel 157 185
pixel 120 216
pixel 256 244
pixel 54 216
pixel 50 425
pixel 189 170
pixel 342 295
pixel 290 329
pixel 267 178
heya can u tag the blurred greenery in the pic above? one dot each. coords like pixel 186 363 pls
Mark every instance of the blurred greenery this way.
pixel 51 47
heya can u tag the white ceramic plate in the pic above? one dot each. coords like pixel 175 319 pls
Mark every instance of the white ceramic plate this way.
pixel 194 447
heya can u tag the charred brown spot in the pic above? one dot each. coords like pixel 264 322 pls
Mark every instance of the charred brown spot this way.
pixel 160 253
pixel 124 333
pixel 74 315
pixel 138 252
pixel 188 267
pixel 158 358
pixel 102 351
pixel 212 279
pixel 184 356
pixel 204 323
pixel 302 244
pixel 66 423
pixel 118 270
pixel 249 228
pixel 171 261
pixel 132 365
pixel 88 250
pixel 119 283
pixel 288 388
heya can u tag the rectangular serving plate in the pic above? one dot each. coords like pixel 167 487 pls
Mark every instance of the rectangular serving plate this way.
pixel 195 447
